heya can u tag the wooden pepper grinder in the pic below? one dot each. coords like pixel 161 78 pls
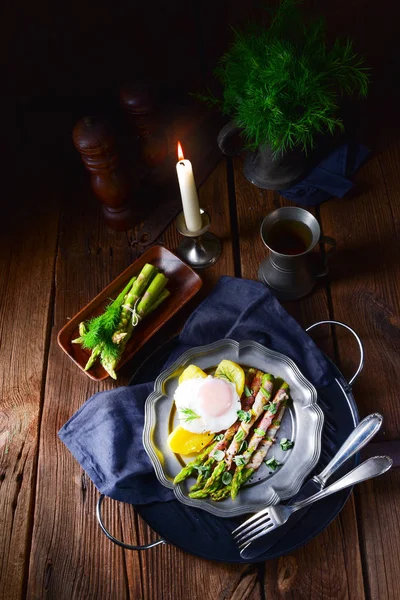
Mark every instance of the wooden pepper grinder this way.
pixel 95 142
pixel 138 102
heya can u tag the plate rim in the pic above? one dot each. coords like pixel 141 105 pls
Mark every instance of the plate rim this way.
pixel 215 509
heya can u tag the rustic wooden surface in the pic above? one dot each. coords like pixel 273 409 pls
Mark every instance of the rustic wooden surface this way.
pixel 53 265
pixel 56 253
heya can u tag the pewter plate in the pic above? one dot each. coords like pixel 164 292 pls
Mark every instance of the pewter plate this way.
pixel 302 423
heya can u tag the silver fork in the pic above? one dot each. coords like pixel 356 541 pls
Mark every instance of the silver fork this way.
pixel 272 517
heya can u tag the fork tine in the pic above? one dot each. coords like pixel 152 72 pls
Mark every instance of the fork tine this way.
pixel 248 534
pixel 250 520
pixel 244 545
pixel 262 521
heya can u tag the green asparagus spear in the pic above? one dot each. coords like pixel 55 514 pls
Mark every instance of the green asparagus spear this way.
pixel 190 467
pixel 212 483
pixel 151 294
pixel 82 331
pixel 163 296
pixel 221 493
pixel 151 297
pixel 240 479
pixel 93 357
pixel 100 329
pixel 203 475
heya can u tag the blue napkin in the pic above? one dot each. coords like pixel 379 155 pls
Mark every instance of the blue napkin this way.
pixel 105 434
pixel 330 178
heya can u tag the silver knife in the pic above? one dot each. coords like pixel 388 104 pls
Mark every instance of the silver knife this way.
pixel 358 438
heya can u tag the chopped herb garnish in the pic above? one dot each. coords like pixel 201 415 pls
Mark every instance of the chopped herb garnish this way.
pixel 286 444
pixel 265 393
pixel 272 463
pixel 219 437
pixel 276 423
pixel 219 455
pixel 269 439
pixel 243 446
pixel 203 470
pixel 244 416
pixel 247 391
pixel 239 436
pixel 271 407
pixel 190 415
pixel 226 478
pixel 259 431
pixel 239 460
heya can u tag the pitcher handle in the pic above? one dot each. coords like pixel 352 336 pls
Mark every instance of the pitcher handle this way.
pixel 325 239
pixel 224 138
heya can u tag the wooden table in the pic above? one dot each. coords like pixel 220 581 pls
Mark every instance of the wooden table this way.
pixel 54 259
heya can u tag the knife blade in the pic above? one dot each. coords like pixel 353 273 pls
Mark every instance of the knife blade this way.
pixel 358 438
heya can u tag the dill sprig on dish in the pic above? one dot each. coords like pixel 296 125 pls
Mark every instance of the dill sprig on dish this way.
pixel 100 329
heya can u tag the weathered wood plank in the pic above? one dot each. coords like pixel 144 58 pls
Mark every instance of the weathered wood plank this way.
pixel 328 567
pixel 319 569
pixel 378 511
pixel 70 556
pixel 27 254
pixel 365 292
pixel 365 288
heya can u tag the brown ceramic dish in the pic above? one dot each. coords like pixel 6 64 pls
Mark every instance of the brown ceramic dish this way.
pixel 183 284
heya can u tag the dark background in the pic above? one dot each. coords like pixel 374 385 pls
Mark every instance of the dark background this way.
pixel 63 60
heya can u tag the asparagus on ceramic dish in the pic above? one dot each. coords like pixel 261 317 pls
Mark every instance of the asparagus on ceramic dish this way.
pixel 152 297
pixel 107 334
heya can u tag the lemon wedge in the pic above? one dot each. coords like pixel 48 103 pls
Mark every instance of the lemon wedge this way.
pixel 192 372
pixel 233 372
pixel 185 442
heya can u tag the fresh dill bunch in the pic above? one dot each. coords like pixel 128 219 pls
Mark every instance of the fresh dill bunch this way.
pixel 283 85
pixel 100 329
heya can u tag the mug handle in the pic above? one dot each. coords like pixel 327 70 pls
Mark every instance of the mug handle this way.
pixel 325 239
pixel 224 138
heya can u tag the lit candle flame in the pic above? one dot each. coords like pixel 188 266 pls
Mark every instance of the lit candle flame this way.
pixel 180 152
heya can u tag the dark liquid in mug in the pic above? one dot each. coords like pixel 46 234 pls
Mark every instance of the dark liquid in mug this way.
pixel 289 237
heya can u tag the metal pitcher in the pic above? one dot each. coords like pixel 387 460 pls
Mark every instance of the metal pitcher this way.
pixel 262 167
pixel 293 275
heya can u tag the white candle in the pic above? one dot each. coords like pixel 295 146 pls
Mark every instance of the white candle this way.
pixel 190 199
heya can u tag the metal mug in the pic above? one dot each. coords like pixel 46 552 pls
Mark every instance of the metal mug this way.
pixel 292 276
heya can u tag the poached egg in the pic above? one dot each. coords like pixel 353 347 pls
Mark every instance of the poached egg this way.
pixel 207 405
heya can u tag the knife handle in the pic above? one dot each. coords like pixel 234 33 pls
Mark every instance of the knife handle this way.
pixel 358 438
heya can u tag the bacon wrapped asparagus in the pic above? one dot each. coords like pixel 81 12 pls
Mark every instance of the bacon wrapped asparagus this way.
pixel 225 459
pixel 251 388
pixel 254 381
pixel 204 462
pixel 261 441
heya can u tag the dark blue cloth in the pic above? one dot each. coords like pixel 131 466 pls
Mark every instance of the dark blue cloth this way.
pixel 105 434
pixel 330 177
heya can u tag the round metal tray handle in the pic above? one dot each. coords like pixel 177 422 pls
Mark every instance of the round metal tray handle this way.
pixel 113 539
pixel 359 342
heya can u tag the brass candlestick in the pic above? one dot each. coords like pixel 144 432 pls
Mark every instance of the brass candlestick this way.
pixel 200 249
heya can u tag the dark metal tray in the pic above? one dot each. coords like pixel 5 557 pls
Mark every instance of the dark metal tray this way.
pixel 207 536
